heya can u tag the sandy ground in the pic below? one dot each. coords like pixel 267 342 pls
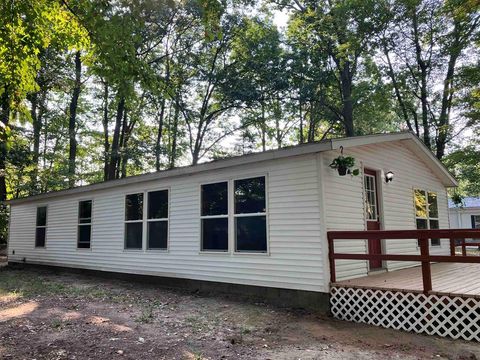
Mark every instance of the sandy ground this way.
pixel 50 315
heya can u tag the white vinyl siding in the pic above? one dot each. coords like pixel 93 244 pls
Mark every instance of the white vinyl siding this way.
pixel 294 258
pixel 344 203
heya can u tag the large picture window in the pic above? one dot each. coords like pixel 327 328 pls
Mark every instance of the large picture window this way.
pixel 250 215
pixel 426 212
pixel 41 226
pixel 157 221
pixel 214 217
pixel 134 221
pixel 84 224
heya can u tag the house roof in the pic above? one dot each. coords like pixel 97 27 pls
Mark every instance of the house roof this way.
pixel 409 139
pixel 469 202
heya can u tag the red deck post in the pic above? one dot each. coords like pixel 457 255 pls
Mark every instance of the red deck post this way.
pixel 464 248
pixel 452 246
pixel 331 259
pixel 426 271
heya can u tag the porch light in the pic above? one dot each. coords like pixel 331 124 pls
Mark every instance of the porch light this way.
pixel 388 177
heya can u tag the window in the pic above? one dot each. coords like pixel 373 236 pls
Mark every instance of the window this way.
pixel 134 221
pixel 157 221
pixel 41 226
pixel 475 221
pixel 84 224
pixel 370 198
pixel 250 215
pixel 214 217
pixel 426 212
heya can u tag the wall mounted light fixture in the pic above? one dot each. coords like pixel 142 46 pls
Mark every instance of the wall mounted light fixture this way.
pixel 389 176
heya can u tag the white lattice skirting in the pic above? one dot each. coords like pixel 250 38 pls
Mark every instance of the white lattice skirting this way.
pixel 454 317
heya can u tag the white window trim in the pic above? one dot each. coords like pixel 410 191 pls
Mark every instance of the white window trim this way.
pixel 147 220
pixel 375 195
pixel 41 227
pixel 125 222
pixel 83 224
pixel 250 252
pixel 222 216
pixel 231 218
pixel 428 218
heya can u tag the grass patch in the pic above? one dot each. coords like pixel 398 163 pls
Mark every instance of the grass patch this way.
pixel 27 284
pixel 146 316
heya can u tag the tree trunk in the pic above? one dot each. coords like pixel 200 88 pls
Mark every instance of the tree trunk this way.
pixel 423 81
pixel 263 129
pixel 444 119
pixel 347 102
pixel 174 131
pixel 122 159
pixel 72 131
pixel 158 142
pixel 396 88
pixel 5 117
pixel 312 124
pixel 301 140
pixel 114 156
pixel 106 141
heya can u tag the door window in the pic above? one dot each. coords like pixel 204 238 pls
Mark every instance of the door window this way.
pixel 371 207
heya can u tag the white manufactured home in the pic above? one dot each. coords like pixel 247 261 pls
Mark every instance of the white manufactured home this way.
pixel 465 215
pixel 258 221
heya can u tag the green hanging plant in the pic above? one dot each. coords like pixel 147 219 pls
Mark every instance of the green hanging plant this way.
pixel 345 165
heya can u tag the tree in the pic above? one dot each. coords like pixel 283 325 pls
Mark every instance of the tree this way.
pixel 426 41
pixel 344 31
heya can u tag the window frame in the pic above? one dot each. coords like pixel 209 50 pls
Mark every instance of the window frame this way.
pixel 235 216
pixel 80 224
pixel 125 221
pixel 375 193
pixel 203 217
pixel 42 226
pixel 147 221
pixel 428 218
pixel 231 217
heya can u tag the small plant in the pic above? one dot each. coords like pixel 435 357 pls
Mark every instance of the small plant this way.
pixel 344 165
pixel 146 316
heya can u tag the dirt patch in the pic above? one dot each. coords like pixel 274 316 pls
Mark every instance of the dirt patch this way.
pixel 48 315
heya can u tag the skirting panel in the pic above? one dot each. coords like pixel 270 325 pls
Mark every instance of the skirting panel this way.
pixel 455 317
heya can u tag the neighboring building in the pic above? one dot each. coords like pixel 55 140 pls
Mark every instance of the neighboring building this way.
pixel 465 215
pixel 258 220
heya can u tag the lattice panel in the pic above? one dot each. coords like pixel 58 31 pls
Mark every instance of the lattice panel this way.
pixel 454 317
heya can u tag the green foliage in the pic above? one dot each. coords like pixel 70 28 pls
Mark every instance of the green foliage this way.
pixel 168 83
pixel 344 165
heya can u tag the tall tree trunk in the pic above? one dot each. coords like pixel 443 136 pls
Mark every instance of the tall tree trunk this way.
pixel 122 159
pixel 106 141
pixel 174 131
pixel 114 156
pixel 159 135
pixel 301 140
pixel 312 123
pixel 347 101
pixel 72 131
pixel 423 81
pixel 4 118
pixel 263 128
pixel 444 119
pixel 396 88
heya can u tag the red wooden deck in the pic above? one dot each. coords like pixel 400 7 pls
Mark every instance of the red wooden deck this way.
pixel 456 273
pixel 447 278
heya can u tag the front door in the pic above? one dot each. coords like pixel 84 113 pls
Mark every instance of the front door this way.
pixel 372 215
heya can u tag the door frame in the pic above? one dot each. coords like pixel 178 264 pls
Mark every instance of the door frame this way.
pixel 379 195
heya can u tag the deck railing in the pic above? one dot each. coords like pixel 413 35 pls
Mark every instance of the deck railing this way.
pixel 456 237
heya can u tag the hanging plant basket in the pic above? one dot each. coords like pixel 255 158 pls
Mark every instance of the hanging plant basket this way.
pixel 344 165
pixel 342 170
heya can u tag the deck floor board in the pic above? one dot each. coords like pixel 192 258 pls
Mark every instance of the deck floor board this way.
pixel 452 278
